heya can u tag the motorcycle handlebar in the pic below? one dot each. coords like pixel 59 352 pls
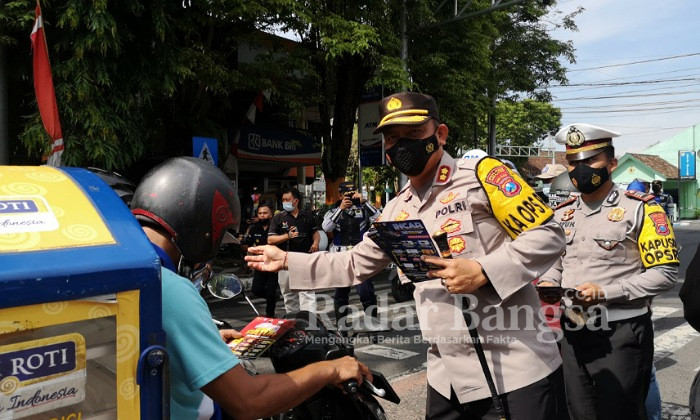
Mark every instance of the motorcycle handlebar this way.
pixel 351 386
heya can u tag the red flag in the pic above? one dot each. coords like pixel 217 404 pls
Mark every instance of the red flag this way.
pixel 256 105
pixel 43 87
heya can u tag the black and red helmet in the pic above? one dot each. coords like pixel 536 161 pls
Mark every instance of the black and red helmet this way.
pixel 193 201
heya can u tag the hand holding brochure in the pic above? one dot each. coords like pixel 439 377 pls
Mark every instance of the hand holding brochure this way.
pixel 405 242
pixel 259 335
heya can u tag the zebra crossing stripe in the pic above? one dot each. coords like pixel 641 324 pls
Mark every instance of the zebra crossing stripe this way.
pixel 388 352
pixel 671 341
pixel 659 312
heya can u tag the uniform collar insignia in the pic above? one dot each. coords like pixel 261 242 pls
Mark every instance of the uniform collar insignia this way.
pixel 443 174
pixel 612 197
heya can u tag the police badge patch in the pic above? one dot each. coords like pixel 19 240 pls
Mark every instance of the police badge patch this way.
pixel 457 244
pixel 451 226
pixel 616 214
pixel 501 178
pixel 660 222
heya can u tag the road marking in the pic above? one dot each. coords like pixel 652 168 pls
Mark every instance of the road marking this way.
pixel 388 352
pixel 658 312
pixel 674 411
pixel 669 342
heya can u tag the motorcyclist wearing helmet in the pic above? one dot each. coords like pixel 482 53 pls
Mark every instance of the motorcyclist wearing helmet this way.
pixel 186 206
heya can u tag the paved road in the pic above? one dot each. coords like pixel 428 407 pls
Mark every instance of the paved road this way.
pixel 400 352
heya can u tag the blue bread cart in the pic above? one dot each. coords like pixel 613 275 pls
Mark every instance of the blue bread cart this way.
pixel 80 302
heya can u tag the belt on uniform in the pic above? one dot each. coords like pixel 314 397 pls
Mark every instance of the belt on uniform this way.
pixel 619 314
pixel 580 317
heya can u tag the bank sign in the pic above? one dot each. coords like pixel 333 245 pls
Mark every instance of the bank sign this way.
pixel 263 143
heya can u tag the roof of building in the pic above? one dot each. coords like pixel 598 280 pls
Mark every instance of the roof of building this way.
pixel 535 164
pixel 657 164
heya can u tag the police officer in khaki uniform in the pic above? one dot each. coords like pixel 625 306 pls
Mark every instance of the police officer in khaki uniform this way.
pixel 620 253
pixel 501 235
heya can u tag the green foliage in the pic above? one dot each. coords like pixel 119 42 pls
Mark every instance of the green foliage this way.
pixel 471 64
pixel 134 77
pixel 527 122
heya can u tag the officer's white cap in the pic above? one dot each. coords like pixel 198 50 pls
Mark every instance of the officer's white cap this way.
pixel 584 140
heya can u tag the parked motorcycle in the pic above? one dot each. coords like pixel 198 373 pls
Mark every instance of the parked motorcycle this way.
pixel 310 341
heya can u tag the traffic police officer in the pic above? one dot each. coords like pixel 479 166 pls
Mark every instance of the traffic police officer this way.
pixel 620 252
pixel 501 235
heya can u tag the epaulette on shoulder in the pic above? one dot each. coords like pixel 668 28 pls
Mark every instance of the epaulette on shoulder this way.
pixel 466 164
pixel 637 195
pixel 566 203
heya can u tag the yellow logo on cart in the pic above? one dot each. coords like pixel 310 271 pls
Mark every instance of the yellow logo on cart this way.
pixel 42 208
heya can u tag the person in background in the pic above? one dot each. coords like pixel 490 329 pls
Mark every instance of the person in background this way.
pixel 264 283
pixel 348 220
pixel 561 190
pixel 637 185
pixel 549 172
pixel 664 200
pixel 295 230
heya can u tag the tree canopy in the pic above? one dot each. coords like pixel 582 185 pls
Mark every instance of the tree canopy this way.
pixel 140 76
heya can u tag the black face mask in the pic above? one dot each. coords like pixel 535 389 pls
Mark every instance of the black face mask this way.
pixel 587 179
pixel 410 156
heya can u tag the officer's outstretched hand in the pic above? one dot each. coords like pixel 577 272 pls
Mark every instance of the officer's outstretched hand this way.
pixel 459 275
pixel 266 258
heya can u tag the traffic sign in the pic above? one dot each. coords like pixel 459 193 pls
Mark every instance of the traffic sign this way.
pixel 206 148
pixel 686 164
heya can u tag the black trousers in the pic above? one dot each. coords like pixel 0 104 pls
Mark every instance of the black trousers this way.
pixel 607 371
pixel 265 286
pixel 542 400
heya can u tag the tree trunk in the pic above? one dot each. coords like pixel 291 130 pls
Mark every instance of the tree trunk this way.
pixel 350 74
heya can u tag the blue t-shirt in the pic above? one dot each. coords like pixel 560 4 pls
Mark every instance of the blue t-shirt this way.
pixel 197 353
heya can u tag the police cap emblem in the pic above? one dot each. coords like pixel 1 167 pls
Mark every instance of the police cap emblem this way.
pixel 574 137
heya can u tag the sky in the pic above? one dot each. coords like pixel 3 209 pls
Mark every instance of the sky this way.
pixel 646 102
